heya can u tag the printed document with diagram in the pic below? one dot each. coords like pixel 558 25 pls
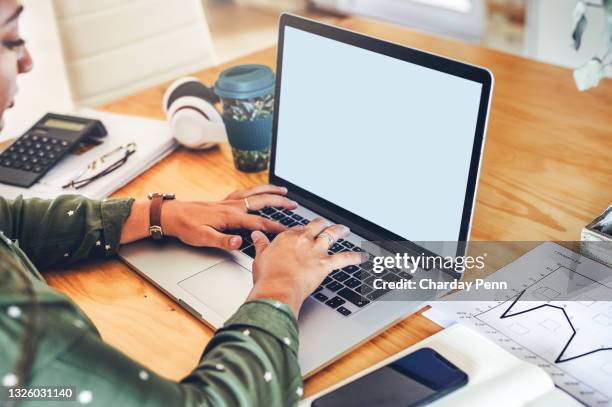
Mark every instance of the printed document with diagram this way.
pixel 557 314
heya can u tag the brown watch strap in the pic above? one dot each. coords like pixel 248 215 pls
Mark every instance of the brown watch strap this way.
pixel 155 229
pixel 155 210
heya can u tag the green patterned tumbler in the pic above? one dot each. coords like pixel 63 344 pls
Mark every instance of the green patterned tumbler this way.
pixel 247 95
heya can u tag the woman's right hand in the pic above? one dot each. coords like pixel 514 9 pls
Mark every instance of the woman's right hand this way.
pixel 291 267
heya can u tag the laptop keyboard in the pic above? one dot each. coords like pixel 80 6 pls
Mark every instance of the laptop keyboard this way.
pixel 346 290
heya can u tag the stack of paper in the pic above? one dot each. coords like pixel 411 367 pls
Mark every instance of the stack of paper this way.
pixel 153 142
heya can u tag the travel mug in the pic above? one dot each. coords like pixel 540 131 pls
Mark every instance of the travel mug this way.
pixel 247 96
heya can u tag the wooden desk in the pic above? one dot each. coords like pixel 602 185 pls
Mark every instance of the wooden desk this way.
pixel 546 173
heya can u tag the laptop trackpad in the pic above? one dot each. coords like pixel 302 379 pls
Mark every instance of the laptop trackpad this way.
pixel 222 287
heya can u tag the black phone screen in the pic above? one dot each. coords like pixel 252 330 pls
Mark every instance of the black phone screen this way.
pixel 415 379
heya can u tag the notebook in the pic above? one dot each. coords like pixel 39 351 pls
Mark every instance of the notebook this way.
pixel 496 377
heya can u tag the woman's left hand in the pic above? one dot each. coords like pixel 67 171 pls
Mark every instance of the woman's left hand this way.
pixel 204 223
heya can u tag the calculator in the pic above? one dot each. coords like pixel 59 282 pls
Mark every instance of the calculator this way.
pixel 41 147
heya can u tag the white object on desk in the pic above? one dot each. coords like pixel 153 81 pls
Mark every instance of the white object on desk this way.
pixel 597 244
pixel 190 111
pixel 153 141
pixel 562 323
pixel 496 377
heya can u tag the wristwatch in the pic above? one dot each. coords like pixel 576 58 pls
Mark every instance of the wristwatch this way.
pixel 157 200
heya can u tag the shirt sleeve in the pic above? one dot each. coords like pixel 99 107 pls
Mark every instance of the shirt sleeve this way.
pixel 251 361
pixel 62 231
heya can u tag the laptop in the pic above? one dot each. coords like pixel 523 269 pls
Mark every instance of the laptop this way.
pixel 380 137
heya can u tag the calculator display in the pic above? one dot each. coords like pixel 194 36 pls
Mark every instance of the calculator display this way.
pixel 64 124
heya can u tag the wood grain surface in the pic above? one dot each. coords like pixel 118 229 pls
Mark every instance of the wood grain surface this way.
pixel 546 173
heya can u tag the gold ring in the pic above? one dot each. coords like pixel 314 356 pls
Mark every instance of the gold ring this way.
pixel 246 203
pixel 329 237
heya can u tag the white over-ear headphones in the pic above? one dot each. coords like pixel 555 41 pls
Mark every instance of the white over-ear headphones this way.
pixel 193 118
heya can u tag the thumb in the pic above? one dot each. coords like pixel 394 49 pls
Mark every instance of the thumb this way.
pixel 260 241
pixel 214 238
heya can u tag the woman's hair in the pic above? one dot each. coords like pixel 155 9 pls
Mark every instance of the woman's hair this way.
pixel 28 341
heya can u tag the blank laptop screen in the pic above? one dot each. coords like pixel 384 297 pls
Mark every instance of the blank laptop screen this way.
pixel 385 139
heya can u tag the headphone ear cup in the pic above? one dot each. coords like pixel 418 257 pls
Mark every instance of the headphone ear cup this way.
pixel 195 122
pixel 188 129
pixel 193 118
pixel 188 86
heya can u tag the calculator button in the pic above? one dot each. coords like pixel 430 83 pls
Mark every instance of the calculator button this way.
pixel 34 160
pixel 27 143
pixel 34 138
pixel 37 169
pixel 24 158
pixel 17 165
pixel 51 156
pixel 31 151
pixel 44 161
pixel 7 162
pixel 53 141
pixel 45 139
pixel 27 167
pixel 37 146
pixel 64 143
pixel 48 147
pixel 57 149
pixel 41 154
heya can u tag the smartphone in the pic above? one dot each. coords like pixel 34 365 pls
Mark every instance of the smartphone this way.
pixel 414 380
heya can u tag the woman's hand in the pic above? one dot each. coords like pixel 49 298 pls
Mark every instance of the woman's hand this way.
pixel 291 267
pixel 204 223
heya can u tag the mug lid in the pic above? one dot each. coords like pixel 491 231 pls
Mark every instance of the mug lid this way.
pixel 245 82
